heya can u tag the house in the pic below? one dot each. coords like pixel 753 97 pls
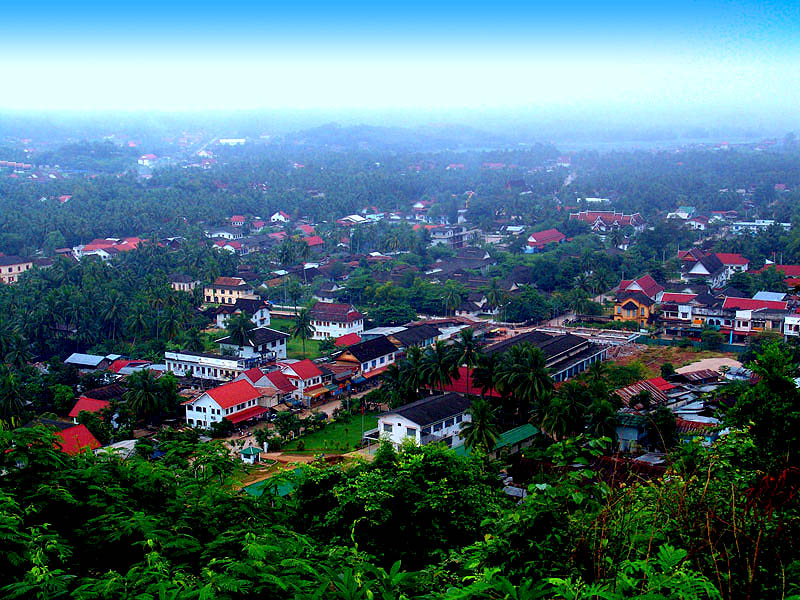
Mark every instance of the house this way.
pixel 645 284
pixel 733 263
pixel 236 401
pixel 279 217
pixel 76 440
pixel 697 223
pixel 707 268
pixel 347 340
pixel 566 355
pixel 11 267
pixel 683 213
pixel 633 306
pixel 147 160
pixel 314 241
pixel 514 440
pixel 415 335
pixel 605 220
pixel 250 455
pixel 275 384
pixel 227 290
pixel 201 365
pixel 306 229
pixel 255 307
pixel 430 420
pixel 306 377
pixel 262 342
pixel 88 362
pixel 790 272
pixel 91 405
pixel 453 237
pixel 332 320
pixel 183 283
pixel 224 233
pixel 538 240
pixel 739 227
pixel 237 220
pixel 372 356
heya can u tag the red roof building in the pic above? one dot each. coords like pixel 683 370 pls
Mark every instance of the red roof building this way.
pixel 730 259
pixel 347 340
pixel 603 220
pixel 751 304
pixel 307 229
pixel 77 440
pixel 676 298
pixel 645 284
pixel 314 241
pixel 231 394
pixel 92 405
pixel 540 239
pixel 303 369
pixel 465 384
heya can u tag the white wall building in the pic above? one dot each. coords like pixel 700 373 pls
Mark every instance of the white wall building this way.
pixel 183 363
pixel 236 401
pixel 331 320
pixel 426 421
pixel 263 343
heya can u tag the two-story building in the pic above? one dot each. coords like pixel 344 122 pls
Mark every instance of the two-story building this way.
pixel 306 377
pixel 11 267
pixel 227 290
pixel 332 320
pixel 183 283
pixel 262 343
pixel 236 401
pixel 432 419
pixel 214 367
pixel 372 357
pixel 257 308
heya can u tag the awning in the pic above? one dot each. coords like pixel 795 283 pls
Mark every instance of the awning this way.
pixel 375 373
pixel 250 413
pixel 280 407
pixel 315 391
pixel 358 379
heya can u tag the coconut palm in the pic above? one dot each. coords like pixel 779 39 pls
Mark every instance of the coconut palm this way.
pixel 10 395
pixel 439 367
pixel 495 295
pixel 303 328
pixel 467 351
pixel 452 297
pixel 17 350
pixel 523 377
pixel 193 342
pixel 239 327
pixel 485 373
pixel 411 368
pixel 143 394
pixel 481 431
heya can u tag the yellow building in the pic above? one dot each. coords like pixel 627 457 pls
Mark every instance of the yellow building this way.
pixel 633 306
pixel 11 267
pixel 227 290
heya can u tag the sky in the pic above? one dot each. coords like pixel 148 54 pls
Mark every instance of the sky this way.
pixel 712 57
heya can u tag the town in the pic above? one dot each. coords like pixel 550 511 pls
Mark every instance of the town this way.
pixel 299 312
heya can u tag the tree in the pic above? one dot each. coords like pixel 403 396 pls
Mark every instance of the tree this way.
pixel 143 394
pixel 711 339
pixel 523 377
pixel 452 297
pixel 480 432
pixel 467 352
pixel 667 370
pixel 662 430
pixel 439 366
pixel 193 341
pixel 303 328
pixel 11 405
pixel 239 327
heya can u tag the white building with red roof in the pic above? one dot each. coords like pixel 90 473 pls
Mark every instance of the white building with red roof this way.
pixel 305 376
pixel 606 220
pixel 645 284
pixel 332 320
pixel 237 401
pixel 279 217
pixel 538 240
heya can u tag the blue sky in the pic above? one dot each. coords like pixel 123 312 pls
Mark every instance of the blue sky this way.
pixel 197 55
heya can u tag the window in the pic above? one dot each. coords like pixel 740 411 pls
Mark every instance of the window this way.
pixel 411 432
pixel 643 311
pixel 426 431
pixel 387 427
pixel 448 423
pixel 437 427
pixel 382 359
pixel 619 310
pixel 459 418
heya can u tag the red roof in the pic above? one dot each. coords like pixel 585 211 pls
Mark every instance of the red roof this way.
pixel 75 440
pixel 788 270
pixel 647 283
pixel 677 298
pixel 88 404
pixel 548 236
pixel 247 413
pixel 465 382
pixel 253 374
pixel 727 258
pixel 331 311
pixel 281 382
pixel 121 363
pixel 233 393
pixel 314 240
pixel 750 304
pixel 307 229
pixel 347 340
pixel 660 383
pixel 237 218
pixel 305 369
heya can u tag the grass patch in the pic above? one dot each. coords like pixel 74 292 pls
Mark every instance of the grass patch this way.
pixel 339 436
pixel 294 346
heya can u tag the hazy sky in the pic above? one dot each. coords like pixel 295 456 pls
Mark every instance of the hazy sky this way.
pixel 720 55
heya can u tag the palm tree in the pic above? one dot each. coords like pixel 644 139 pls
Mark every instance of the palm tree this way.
pixel 143 395
pixel 481 431
pixel 172 325
pixel 467 352
pixel 17 351
pixel 137 322
pixel 10 396
pixel 522 376
pixel 193 341
pixel 485 373
pixel 439 366
pixel 452 297
pixel 303 328
pixel 411 368
pixel 495 295
pixel 239 328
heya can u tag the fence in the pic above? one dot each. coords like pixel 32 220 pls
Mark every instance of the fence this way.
pixel 643 339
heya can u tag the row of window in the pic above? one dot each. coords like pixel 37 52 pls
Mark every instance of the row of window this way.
pixel 376 362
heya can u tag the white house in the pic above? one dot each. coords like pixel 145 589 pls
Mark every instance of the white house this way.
pixel 183 363
pixel 262 343
pixel 433 419
pixel 331 320
pixel 257 309
pixel 279 217
pixel 306 377
pixel 236 401
pixel 225 234
pixel 791 326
